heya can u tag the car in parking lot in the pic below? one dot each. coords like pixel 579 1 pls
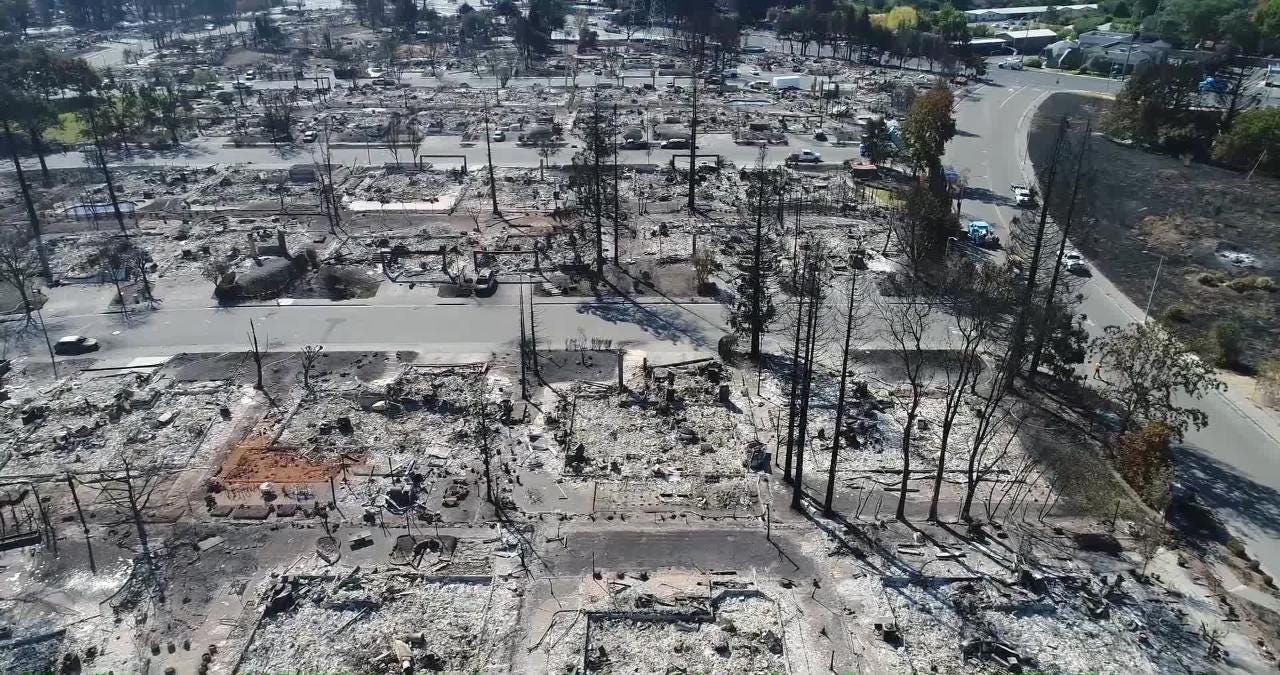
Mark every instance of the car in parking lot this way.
pixel 675 144
pixel 75 344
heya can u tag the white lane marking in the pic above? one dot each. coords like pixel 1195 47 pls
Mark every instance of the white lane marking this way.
pixel 1015 93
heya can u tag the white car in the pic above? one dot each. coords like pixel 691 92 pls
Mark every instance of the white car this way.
pixel 1011 64
pixel 1023 195
pixel 805 157
pixel 1075 264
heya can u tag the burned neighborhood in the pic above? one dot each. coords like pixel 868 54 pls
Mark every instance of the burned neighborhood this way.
pixel 767 336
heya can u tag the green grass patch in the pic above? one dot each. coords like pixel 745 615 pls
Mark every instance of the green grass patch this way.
pixel 70 130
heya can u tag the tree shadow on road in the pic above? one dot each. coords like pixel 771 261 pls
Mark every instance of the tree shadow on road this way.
pixel 1219 486
pixel 986 196
pixel 664 322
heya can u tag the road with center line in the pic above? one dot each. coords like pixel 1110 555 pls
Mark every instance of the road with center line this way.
pixel 1232 464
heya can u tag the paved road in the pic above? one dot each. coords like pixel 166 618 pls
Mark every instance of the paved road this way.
pixel 1232 463
pixel 206 151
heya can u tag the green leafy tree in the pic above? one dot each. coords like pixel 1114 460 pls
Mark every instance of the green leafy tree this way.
pixel 927 129
pixel 1147 372
pixel 951 24
pixel 1158 108
pixel 1253 141
pixel 877 146
pixel 1237 29
pixel 1267 18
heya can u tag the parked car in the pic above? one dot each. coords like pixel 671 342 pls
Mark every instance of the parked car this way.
pixel 1011 64
pixel 309 136
pixel 1075 264
pixel 675 144
pixel 804 157
pixel 1023 195
pixel 634 144
pixel 243 85
pixel 75 344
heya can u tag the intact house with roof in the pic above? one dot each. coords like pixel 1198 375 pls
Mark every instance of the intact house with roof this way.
pixel 1105 51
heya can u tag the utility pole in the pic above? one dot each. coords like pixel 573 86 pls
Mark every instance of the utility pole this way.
pixel 617 211
pixel 488 150
pixel 757 259
pixel 53 363
pixel 693 133
pixel 524 346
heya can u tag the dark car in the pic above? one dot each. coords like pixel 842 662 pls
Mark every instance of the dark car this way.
pixel 634 144
pixel 75 344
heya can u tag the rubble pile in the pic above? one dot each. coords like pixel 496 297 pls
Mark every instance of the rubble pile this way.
pixel 682 423
pixel 743 635
pixel 98 422
pixel 386 187
pixel 384 623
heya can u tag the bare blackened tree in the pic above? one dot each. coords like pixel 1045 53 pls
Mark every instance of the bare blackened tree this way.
pixel 593 179
pixel 257 351
pixel 976 303
pixel 32 217
pixel 1034 260
pixel 131 488
pixel 907 319
pixel 755 310
pixel 1078 177
pixel 854 317
pixel 322 158
pixel 309 356
pixel 19 266
pixel 811 286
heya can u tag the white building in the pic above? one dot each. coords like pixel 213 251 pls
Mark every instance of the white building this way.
pixel 1001 14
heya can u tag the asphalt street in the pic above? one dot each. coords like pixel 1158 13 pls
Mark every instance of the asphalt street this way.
pixel 1231 464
